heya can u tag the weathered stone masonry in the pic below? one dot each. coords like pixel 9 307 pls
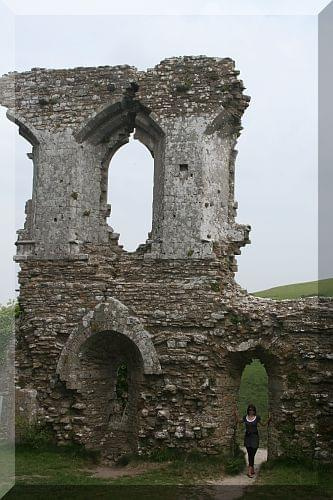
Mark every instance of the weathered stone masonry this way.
pixel 171 311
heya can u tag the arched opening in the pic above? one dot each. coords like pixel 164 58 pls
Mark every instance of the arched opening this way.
pixel 110 129
pixel 24 178
pixel 17 151
pixel 121 399
pixel 254 390
pixel 256 375
pixel 8 203
pixel 104 365
pixel 110 369
pixel 130 193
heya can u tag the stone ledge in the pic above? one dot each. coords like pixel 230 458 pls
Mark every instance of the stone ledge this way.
pixel 80 256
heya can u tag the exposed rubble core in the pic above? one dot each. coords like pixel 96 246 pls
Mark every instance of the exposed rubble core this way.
pixel 170 312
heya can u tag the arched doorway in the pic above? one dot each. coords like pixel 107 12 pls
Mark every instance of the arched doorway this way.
pixel 240 363
pixel 254 390
pixel 105 365
pixel 111 374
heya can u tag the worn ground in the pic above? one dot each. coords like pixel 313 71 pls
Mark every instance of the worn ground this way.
pixel 233 487
pixel 113 472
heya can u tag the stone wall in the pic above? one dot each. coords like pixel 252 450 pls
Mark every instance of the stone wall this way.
pixel 185 110
pixel 170 311
pixel 203 335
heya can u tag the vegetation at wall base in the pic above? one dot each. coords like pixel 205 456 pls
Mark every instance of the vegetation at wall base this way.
pixel 289 479
pixel 8 313
pixel 231 463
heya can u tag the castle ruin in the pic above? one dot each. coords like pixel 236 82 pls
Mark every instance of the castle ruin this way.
pixel 169 315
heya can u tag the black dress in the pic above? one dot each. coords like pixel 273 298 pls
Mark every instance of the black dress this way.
pixel 251 437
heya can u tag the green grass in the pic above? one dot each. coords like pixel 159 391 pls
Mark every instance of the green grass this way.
pixel 7 466
pixel 174 473
pixel 65 465
pixel 253 389
pixel 287 480
pixel 53 465
pixel 286 472
pixel 186 468
pixel 323 288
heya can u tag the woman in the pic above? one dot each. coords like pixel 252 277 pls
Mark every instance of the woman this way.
pixel 251 437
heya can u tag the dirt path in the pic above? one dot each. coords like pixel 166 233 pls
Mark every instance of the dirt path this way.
pixel 235 485
pixel 113 472
pixel 226 488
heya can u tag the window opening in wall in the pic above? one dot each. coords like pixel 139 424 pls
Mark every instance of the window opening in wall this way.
pixel 19 181
pixel 24 178
pixel 183 171
pixel 122 388
pixel 130 193
pixel 254 389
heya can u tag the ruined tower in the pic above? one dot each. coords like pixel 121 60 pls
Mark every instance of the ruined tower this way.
pixel 145 349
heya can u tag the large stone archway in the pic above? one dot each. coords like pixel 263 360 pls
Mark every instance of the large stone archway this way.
pixel 108 403
pixel 113 318
pixel 109 338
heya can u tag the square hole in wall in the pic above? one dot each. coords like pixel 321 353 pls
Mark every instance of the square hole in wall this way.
pixel 183 167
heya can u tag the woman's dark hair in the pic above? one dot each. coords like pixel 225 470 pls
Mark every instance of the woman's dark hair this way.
pixel 251 407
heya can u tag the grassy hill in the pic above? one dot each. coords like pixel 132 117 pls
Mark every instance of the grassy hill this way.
pixel 323 288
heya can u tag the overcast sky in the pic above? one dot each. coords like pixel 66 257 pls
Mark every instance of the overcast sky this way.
pixel 276 168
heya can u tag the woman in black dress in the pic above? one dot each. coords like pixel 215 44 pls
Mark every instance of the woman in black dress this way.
pixel 251 437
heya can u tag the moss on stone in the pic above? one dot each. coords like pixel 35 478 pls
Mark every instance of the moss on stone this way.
pixel 215 286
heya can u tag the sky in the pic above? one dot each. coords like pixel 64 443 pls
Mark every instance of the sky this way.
pixel 209 7
pixel 276 168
